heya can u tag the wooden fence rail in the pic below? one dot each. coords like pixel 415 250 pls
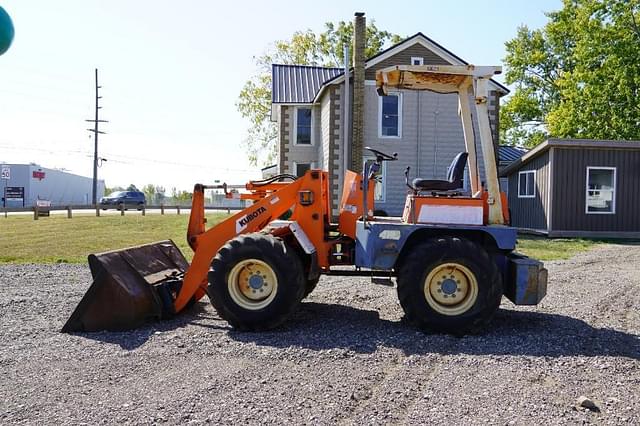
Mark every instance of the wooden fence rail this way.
pixel 45 211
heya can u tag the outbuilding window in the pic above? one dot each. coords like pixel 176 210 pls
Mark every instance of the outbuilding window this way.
pixel 303 126
pixel 527 184
pixel 416 60
pixel 390 116
pixel 601 190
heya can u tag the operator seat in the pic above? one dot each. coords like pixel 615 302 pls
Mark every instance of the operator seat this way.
pixel 455 175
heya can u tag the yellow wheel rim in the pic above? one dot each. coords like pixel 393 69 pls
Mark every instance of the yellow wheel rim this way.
pixel 252 284
pixel 451 289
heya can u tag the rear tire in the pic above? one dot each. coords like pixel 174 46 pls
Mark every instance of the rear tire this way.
pixel 310 286
pixel 449 285
pixel 256 281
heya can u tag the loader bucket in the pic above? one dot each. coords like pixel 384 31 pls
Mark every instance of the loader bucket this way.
pixel 130 287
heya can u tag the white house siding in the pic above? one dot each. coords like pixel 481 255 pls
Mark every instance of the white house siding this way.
pixel 300 153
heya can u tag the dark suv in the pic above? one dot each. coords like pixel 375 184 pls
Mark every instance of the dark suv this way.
pixel 124 200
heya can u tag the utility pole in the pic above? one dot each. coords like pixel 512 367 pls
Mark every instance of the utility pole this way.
pixel 95 142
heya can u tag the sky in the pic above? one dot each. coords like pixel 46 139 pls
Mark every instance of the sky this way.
pixel 171 73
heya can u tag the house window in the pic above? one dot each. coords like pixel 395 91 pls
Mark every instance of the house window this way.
pixel 390 116
pixel 381 181
pixel 301 168
pixel 303 126
pixel 601 190
pixel 416 60
pixel 527 184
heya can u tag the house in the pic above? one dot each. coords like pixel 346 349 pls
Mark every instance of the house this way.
pixel 577 188
pixel 324 121
pixel 507 155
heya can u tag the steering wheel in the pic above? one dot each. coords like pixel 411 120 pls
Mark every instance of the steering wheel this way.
pixel 381 156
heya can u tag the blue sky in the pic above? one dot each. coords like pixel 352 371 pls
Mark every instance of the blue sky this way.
pixel 171 73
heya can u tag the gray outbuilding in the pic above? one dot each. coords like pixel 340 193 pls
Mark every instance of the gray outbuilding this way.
pixel 24 184
pixel 577 188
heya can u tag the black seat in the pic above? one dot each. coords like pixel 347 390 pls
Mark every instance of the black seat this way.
pixel 455 174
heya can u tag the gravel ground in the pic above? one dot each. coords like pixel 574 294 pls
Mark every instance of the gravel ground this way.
pixel 345 357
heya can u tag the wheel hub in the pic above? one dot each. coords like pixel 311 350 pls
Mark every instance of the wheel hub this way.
pixel 449 286
pixel 252 284
pixel 451 289
pixel 256 282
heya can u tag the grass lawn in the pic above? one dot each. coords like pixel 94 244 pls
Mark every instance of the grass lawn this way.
pixel 58 239
pixel 542 248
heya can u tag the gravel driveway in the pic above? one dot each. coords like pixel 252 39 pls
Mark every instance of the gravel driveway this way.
pixel 345 357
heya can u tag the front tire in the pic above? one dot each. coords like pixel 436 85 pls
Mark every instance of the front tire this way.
pixel 449 285
pixel 255 282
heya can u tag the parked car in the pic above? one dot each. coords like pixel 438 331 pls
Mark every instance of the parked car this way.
pixel 123 200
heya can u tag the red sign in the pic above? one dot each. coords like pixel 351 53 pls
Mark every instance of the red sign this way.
pixel 38 175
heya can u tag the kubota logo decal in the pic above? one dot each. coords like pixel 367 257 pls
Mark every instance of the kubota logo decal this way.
pixel 242 223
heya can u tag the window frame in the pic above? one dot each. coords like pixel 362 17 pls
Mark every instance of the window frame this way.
pixel 420 59
pixel 380 98
pixel 534 183
pixel 312 165
pixel 295 126
pixel 383 171
pixel 613 191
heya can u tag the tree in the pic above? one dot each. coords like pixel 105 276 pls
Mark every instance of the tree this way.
pixel 149 192
pixel 180 195
pixel 578 76
pixel 111 190
pixel 131 187
pixel 160 193
pixel 304 48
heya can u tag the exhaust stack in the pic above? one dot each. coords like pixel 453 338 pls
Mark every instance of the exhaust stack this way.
pixel 359 44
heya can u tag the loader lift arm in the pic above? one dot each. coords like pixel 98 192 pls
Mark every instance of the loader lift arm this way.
pixel 206 243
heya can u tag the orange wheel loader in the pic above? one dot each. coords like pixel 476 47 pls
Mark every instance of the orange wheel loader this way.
pixel 451 255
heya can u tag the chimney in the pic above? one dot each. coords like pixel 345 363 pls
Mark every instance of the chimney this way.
pixel 357 137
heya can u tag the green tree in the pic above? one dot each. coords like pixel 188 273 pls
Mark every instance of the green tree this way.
pixel 304 48
pixel 180 195
pixel 108 190
pixel 149 193
pixel 578 76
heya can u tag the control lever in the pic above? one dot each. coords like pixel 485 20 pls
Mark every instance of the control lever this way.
pixel 406 180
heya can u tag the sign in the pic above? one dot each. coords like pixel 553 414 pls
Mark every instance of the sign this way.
pixel 6 173
pixel 39 174
pixel 14 192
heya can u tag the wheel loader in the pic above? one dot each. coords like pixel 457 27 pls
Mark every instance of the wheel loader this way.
pixel 451 254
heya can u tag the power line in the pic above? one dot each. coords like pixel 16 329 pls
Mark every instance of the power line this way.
pixel 117 158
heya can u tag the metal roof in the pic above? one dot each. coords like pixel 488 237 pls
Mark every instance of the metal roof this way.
pixel 567 143
pixel 299 84
pixel 508 154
